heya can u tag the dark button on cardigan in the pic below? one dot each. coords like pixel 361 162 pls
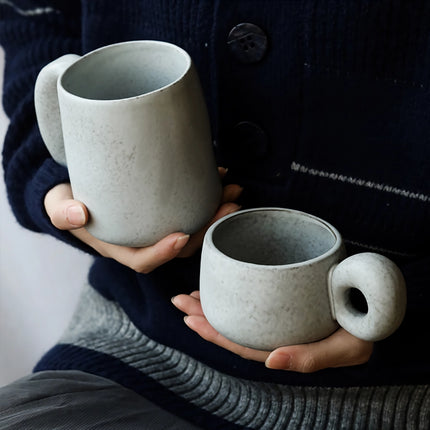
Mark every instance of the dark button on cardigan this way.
pixel 247 43
pixel 249 140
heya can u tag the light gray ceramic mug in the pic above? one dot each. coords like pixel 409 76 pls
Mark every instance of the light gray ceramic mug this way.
pixel 272 277
pixel 130 122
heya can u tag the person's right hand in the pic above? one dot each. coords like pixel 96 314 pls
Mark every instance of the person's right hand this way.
pixel 69 214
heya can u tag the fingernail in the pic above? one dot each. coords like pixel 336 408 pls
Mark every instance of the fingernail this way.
pixel 75 215
pixel 173 299
pixel 278 361
pixel 181 242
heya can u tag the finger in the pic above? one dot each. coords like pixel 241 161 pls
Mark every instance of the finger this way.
pixel 231 193
pixel 222 171
pixel 64 212
pixel 195 294
pixel 201 326
pixel 224 210
pixel 142 260
pixel 196 239
pixel 145 260
pixel 188 304
pixel 341 349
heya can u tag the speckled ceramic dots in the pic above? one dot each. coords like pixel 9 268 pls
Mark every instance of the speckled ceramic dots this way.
pixel 273 277
pixel 130 122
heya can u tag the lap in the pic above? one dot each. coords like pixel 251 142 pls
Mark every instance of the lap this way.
pixel 77 400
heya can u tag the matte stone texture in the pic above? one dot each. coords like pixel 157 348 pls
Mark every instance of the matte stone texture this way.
pixel 266 281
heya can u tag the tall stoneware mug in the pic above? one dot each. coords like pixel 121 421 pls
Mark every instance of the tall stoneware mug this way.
pixel 272 277
pixel 130 123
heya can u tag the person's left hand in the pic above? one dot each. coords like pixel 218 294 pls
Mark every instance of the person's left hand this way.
pixel 338 350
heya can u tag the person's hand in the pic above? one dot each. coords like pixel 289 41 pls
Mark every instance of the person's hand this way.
pixel 68 214
pixel 338 350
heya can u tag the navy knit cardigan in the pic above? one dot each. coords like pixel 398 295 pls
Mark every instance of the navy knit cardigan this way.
pixel 326 109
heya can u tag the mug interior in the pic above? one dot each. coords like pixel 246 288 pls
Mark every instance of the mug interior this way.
pixel 273 237
pixel 126 70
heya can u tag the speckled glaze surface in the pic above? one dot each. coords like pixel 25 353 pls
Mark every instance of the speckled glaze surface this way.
pixel 130 122
pixel 272 277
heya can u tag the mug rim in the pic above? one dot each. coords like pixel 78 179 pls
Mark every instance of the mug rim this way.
pixel 208 240
pixel 100 50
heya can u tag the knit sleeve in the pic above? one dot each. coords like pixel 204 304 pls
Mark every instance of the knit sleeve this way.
pixel 33 33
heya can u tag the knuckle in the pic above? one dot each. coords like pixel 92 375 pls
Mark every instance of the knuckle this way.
pixel 307 364
pixel 141 268
pixel 147 265
pixel 136 264
pixel 56 218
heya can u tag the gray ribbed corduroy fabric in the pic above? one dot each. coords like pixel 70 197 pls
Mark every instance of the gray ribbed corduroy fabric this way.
pixel 74 400
pixel 101 325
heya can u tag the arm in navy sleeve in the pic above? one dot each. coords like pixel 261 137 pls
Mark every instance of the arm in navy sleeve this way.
pixel 33 33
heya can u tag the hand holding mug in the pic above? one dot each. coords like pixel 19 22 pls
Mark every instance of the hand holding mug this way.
pixel 340 349
pixel 69 214
pixel 273 277
pixel 129 122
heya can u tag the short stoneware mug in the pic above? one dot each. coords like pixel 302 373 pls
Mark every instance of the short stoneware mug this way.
pixel 272 277
pixel 130 123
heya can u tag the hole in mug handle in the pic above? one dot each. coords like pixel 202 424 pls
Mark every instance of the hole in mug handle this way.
pixel 378 282
pixel 356 301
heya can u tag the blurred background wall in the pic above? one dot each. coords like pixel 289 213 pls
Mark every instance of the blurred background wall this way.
pixel 40 280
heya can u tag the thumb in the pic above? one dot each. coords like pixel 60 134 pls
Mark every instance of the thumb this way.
pixel 64 212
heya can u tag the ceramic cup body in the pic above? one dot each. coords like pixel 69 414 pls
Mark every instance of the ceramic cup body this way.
pixel 271 277
pixel 130 122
